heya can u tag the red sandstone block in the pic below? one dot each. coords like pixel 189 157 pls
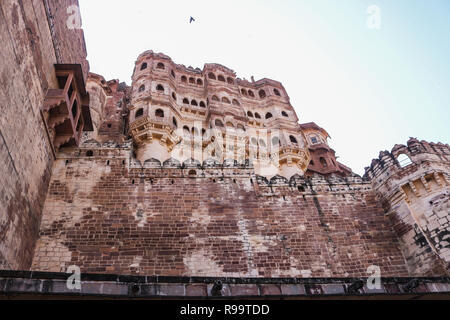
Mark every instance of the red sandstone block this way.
pixel 172 290
pixel 244 290
pixel 196 290
pixel 270 290
pixel 292 289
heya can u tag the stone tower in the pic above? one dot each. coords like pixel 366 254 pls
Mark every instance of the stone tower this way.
pixel 412 182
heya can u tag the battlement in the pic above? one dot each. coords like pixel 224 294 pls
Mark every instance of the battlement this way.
pixel 412 183
pixel 207 219
pixel 417 151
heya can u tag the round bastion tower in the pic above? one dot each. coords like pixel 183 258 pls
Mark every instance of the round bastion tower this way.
pixel 181 114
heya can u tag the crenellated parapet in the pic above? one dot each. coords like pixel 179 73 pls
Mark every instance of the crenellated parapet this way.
pixel 412 182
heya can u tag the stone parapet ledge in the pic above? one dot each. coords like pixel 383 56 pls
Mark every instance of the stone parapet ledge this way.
pixel 41 284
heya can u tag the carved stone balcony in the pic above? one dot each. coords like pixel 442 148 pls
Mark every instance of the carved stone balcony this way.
pixel 66 109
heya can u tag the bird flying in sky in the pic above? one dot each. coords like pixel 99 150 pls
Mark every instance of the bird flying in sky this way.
pixel 191 20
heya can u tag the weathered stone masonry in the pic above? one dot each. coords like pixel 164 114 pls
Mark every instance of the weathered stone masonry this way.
pixel 31 46
pixel 107 214
pixel 416 197
pixel 194 173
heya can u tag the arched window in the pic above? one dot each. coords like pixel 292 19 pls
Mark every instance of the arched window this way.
pixel 192 173
pixel 230 125
pixel 254 141
pixel 144 66
pixel 275 141
pixel 194 103
pixel 185 101
pixel 250 114
pixel 244 92
pixel 90 153
pixel 314 140
pixel 269 115
pixel 139 113
pixel 225 100
pixel 159 113
pixel 202 104
pixel 257 116
pixel 236 103
pixel 312 163
pixel 200 82
pixel 293 139
pixel 195 132
pixel 251 94
pixel 215 98
pixel 277 93
pixel 141 88
pixel 184 79
pixel 262 94
pixel 404 160
pixel 174 121
pixel 230 80
pixel 191 80
pixel 240 127
pixel 219 123
pixel 174 96
pixel 160 65
pixel 186 131
pixel 221 78
pixel 212 76
pixel 262 143
pixel 284 114
pixel 323 162
pixel 160 87
pixel 172 74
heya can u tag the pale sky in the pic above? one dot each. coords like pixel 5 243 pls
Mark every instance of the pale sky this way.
pixel 369 88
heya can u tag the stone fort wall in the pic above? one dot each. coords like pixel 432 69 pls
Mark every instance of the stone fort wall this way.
pixel 108 214
pixel 34 37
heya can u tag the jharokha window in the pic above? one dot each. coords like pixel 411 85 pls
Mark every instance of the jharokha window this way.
pixel 139 113
pixel 293 139
pixel 262 94
pixel 66 108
